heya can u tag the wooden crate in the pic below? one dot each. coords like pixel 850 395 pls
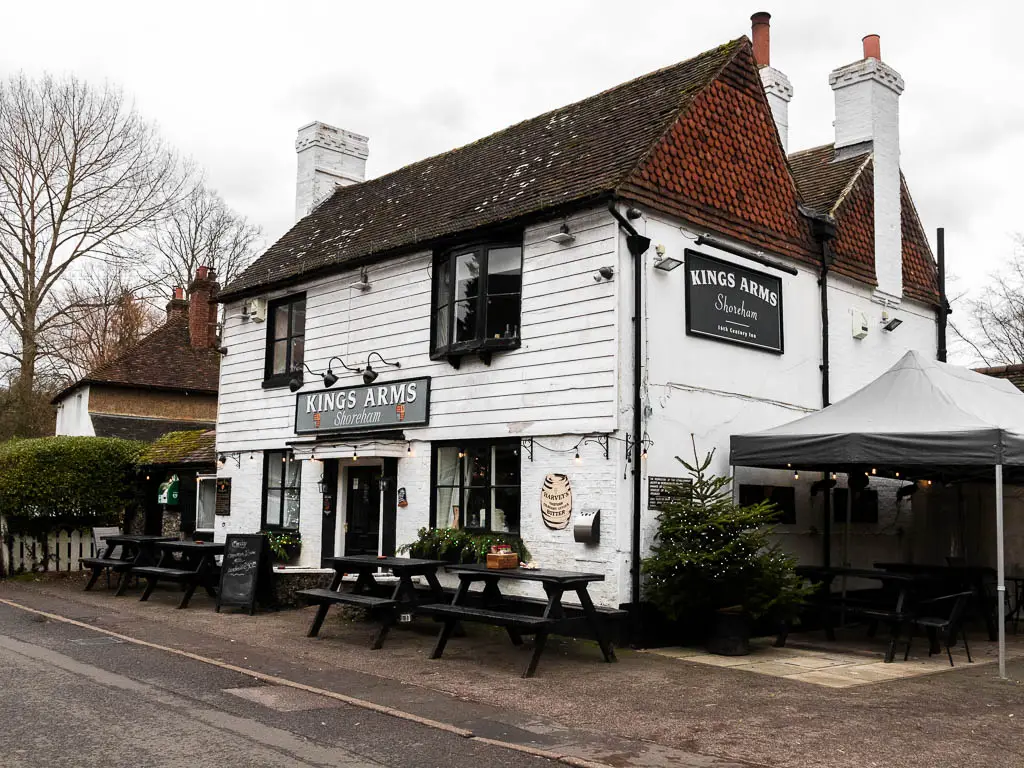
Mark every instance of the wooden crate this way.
pixel 501 560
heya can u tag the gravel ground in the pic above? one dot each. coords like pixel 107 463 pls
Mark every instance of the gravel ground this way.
pixel 959 718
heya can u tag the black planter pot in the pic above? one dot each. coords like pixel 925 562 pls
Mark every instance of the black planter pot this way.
pixel 730 633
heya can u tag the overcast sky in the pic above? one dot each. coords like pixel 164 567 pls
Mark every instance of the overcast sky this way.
pixel 229 83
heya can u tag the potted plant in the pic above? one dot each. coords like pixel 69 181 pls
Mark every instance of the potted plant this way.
pixel 285 545
pixel 713 566
pixel 455 545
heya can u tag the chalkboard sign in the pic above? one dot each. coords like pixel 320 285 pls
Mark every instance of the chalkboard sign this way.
pixel 223 505
pixel 246 574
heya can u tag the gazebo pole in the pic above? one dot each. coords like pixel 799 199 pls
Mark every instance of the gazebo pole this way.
pixel 1000 572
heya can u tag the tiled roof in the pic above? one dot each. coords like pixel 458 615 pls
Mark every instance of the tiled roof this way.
pixel 844 189
pixel 1012 373
pixel 185 447
pixel 721 166
pixel 140 428
pixel 581 152
pixel 165 359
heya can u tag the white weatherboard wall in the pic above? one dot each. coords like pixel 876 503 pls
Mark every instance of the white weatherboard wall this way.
pixel 560 385
pixel 713 389
pixel 73 414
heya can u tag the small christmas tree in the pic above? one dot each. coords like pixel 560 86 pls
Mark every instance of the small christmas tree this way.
pixel 712 554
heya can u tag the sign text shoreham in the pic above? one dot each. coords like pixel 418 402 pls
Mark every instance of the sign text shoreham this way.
pixel 732 303
pixel 392 404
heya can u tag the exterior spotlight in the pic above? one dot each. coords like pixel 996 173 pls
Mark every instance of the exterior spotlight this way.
pixel 295 384
pixel 370 375
pixel 330 379
pixel 890 324
pixel 221 459
pixel 667 263
pixel 562 236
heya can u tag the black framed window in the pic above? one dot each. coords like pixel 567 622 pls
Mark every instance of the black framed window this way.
pixel 477 299
pixel 477 486
pixel 286 340
pixel 282 476
pixel 864 509
pixel 782 496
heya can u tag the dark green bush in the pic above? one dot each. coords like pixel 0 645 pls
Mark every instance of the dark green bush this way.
pixel 66 482
pixel 457 546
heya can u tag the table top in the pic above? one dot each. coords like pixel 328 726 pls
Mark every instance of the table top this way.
pixel 968 570
pixel 191 546
pixel 372 562
pixel 131 538
pixel 858 573
pixel 524 574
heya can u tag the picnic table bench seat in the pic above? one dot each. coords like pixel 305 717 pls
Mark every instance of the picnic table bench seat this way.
pixel 327 597
pixel 516 624
pixel 100 564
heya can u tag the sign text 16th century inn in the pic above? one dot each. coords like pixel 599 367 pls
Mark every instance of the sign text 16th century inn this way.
pixel 395 404
pixel 732 303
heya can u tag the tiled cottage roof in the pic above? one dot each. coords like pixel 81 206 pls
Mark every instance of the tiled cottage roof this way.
pixel 1012 373
pixel 844 189
pixel 165 359
pixel 185 447
pixel 666 138
pixel 140 428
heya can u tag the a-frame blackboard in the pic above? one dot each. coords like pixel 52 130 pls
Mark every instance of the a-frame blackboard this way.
pixel 246 574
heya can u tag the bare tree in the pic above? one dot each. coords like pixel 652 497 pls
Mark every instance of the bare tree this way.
pixel 997 319
pixel 80 172
pixel 107 315
pixel 201 230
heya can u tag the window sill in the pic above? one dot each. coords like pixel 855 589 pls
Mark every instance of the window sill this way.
pixel 277 382
pixel 483 349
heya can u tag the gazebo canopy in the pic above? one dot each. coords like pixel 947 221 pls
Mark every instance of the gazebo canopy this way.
pixel 920 414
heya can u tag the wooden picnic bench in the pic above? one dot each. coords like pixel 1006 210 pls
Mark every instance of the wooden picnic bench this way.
pixel 195 568
pixel 135 550
pixel 404 598
pixel 495 610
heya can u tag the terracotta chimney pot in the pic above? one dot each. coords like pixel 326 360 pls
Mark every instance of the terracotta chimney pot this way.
pixel 872 47
pixel 760 31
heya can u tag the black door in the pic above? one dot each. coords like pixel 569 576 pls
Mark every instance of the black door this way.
pixel 330 510
pixel 362 514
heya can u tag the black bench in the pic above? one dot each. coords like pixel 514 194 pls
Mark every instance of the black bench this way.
pixel 100 564
pixel 382 608
pixel 516 624
pixel 152 574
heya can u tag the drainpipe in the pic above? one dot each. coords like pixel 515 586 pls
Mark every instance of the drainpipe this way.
pixel 638 245
pixel 944 309
pixel 823 227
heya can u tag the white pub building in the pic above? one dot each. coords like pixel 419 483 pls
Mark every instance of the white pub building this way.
pixel 555 309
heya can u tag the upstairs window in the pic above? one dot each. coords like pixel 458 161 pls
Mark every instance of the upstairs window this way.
pixel 286 340
pixel 477 300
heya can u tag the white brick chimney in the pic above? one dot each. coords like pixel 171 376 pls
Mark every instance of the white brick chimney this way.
pixel 867 96
pixel 327 157
pixel 777 87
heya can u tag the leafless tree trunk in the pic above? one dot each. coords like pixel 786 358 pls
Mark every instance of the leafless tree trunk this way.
pixel 201 230
pixel 80 172
pixel 996 331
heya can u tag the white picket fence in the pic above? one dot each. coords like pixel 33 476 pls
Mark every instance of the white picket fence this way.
pixel 63 552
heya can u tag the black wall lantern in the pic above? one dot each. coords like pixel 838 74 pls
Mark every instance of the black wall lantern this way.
pixel 370 375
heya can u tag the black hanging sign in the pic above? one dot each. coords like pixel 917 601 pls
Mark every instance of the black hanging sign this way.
pixel 731 303
pixel 246 573
pixel 222 505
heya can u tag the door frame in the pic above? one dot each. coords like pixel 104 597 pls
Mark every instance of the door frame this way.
pixel 341 527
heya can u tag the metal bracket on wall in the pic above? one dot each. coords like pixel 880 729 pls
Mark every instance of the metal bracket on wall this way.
pixel 601 440
pixel 527 444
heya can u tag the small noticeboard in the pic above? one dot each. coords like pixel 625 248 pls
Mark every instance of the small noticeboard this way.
pixel 246 574
pixel 659 490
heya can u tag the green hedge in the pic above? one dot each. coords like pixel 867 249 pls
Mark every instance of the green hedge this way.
pixel 57 482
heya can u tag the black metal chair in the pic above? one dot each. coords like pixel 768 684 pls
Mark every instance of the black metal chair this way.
pixel 947 628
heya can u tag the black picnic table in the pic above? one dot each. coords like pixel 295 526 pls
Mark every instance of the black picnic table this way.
pixel 895 607
pixel 366 592
pixel 189 563
pixel 975 578
pixel 136 549
pixel 495 608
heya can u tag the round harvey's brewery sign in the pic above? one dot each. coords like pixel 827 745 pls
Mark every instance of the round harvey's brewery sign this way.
pixel 731 303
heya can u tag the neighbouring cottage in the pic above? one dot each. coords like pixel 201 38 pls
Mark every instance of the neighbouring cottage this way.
pixel 166 382
pixel 178 474
pixel 529 328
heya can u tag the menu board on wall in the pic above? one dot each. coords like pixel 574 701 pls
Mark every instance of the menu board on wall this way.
pixel 659 490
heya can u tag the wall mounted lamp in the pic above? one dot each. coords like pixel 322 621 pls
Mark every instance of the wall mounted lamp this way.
pixel 892 325
pixel 562 236
pixel 223 459
pixel 330 377
pixel 295 383
pixel 370 375
pixel 666 263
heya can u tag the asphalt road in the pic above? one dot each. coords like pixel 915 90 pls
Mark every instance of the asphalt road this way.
pixel 73 697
